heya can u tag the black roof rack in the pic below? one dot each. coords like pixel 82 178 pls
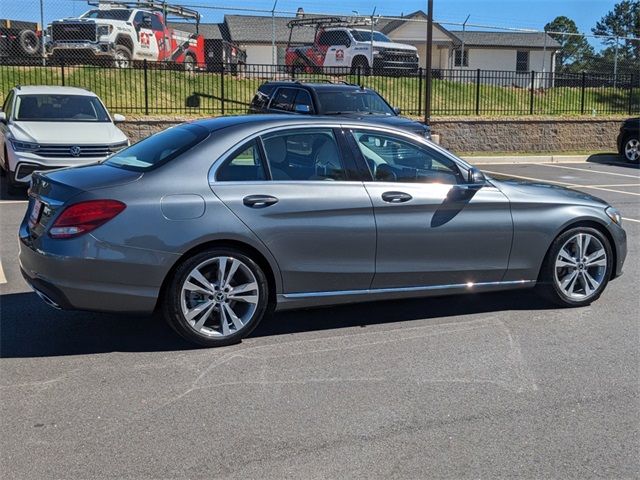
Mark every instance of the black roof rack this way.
pixel 320 22
pixel 157 5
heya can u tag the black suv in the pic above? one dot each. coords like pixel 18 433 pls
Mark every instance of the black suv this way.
pixel 341 99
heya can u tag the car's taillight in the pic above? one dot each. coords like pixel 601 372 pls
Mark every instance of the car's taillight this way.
pixel 83 217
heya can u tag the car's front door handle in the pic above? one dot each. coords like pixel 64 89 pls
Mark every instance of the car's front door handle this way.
pixel 396 197
pixel 259 201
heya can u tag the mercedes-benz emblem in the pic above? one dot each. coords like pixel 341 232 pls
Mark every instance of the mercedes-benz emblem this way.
pixel 75 151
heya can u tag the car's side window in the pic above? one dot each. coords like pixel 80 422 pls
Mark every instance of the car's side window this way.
pixel 261 99
pixel 394 159
pixel 304 154
pixel 303 98
pixel 245 165
pixel 284 99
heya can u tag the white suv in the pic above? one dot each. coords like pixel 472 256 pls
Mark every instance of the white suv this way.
pixel 46 127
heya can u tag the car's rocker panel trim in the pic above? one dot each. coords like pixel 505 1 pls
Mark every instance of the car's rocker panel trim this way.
pixel 290 301
pixel 403 289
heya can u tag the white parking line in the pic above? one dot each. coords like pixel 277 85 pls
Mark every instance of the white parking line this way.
pixel 627 219
pixel 3 279
pixel 12 202
pixel 564 184
pixel 589 170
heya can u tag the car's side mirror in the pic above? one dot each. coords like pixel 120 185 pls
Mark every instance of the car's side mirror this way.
pixel 475 176
pixel 146 21
pixel 3 117
pixel 302 108
pixel 397 110
pixel 117 118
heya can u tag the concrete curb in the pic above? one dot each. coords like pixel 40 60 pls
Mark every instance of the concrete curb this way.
pixel 515 159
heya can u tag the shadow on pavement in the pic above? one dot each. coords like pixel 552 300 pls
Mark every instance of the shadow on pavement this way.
pixel 29 328
pixel 19 194
pixel 612 159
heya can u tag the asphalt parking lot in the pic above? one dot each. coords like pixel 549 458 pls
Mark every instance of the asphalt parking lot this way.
pixel 491 385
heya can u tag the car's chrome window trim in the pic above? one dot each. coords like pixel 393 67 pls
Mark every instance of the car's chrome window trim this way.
pixel 375 291
pixel 221 160
pixel 341 124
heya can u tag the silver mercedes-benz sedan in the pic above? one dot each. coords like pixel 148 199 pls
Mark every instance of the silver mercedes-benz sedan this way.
pixel 218 222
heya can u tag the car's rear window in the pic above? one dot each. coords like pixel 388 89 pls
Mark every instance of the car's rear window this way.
pixel 159 148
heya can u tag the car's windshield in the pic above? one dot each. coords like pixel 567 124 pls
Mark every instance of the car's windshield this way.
pixel 114 14
pixel 353 101
pixel 59 108
pixel 159 148
pixel 365 36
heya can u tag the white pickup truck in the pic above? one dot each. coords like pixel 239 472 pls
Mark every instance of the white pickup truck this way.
pixel 122 35
pixel 355 48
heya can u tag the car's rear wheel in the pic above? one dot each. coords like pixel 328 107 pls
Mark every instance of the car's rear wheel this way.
pixel 631 149
pixel 577 267
pixel 216 298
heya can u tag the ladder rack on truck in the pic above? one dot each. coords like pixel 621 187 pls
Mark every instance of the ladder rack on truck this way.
pixel 158 6
pixel 323 22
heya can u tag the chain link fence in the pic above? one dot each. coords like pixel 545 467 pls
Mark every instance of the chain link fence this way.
pixel 152 57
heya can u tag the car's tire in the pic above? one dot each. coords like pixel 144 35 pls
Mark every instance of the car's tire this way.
pixel 29 42
pixel 577 267
pixel 189 64
pixel 122 57
pixel 631 149
pixel 204 313
pixel 5 162
pixel 360 64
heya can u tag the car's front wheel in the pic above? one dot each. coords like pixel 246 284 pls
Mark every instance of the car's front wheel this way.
pixel 631 149
pixel 216 297
pixel 577 267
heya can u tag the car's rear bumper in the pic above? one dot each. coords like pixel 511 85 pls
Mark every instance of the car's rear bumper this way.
pixel 88 274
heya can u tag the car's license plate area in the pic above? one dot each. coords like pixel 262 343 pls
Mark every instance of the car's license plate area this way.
pixel 36 212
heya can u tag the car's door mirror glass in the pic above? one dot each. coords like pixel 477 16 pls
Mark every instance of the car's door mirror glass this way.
pixel 117 118
pixel 475 176
pixel 302 109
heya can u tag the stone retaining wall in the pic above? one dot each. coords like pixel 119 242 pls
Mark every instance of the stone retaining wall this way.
pixel 473 134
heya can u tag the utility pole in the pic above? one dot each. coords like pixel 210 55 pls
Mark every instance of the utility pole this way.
pixel 427 92
pixel 274 57
pixel 42 32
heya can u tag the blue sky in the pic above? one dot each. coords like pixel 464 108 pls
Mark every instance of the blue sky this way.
pixel 506 13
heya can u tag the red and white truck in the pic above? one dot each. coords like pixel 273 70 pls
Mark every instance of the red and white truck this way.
pixel 123 33
pixel 349 43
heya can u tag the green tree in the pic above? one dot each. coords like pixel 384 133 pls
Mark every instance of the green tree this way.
pixel 622 21
pixel 574 51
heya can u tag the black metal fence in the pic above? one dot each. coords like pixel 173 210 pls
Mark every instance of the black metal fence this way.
pixel 163 88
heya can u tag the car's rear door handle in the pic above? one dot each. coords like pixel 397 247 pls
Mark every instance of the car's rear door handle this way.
pixel 396 197
pixel 259 201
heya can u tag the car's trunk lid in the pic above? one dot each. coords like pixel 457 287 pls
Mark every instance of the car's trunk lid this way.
pixel 50 191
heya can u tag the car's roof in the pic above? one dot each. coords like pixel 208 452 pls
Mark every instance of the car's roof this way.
pixel 276 120
pixel 51 90
pixel 324 86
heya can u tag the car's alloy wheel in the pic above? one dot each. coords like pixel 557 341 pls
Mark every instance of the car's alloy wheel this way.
pixel 216 297
pixel 219 296
pixel 581 266
pixel 577 267
pixel 122 57
pixel 632 150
